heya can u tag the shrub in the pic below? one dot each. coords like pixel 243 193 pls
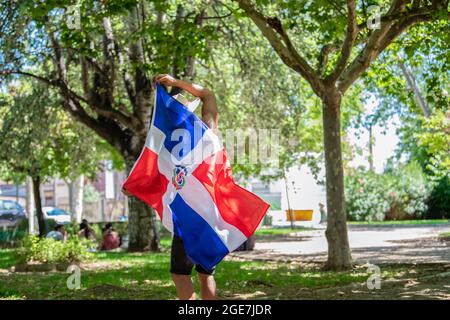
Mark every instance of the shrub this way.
pixel 408 192
pixel 47 250
pixel 43 250
pixel 439 200
pixel 395 195
pixel 365 194
pixel 74 250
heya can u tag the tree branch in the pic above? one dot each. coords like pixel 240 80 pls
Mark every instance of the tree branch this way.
pixel 106 111
pixel 142 84
pixel 379 40
pixel 126 78
pixel 28 74
pixel 110 131
pixel 400 15
pixel 273 31
pixel 347 46
pixel 415 89
pixel 322 60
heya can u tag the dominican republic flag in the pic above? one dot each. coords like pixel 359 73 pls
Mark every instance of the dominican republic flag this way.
pixel 184 174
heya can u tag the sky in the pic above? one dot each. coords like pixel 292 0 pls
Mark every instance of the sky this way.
pixel 385 142
pixel 384 147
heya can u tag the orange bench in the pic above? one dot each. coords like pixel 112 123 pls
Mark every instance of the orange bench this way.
pixel 299 215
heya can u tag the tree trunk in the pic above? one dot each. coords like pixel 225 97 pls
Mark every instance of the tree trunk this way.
pixel 38 204
pixel 371 142
pixel 70 189
pixel 77 198
pixel 142 227
pixel 30 205
pixel 339 256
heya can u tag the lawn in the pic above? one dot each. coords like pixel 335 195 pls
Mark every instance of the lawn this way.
pixel 146 276
pixel 401 222
pixel 279 231
pixel 119 275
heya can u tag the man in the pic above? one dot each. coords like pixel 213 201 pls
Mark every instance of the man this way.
pixel 180 265
pixel 58 234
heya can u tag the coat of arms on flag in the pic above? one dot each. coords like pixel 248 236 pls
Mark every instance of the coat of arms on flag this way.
pixel 184 174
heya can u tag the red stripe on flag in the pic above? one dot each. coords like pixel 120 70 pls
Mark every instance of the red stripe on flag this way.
pixel 237 205
pixel 146 182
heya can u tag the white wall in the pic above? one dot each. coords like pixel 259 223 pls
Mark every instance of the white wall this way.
pixel 304 192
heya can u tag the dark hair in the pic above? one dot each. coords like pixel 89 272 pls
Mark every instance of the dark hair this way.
pixel 107 227
pixel 58 227
pixel 83 225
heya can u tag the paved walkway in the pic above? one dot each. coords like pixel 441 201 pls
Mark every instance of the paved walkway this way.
pixel 375 244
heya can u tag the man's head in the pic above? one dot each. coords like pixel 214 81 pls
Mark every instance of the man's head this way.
pixel 84 224
pixel 60 228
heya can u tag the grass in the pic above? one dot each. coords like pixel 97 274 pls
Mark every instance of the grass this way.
pixel 117 275
pixel 279 231
pixel 7 258
pixel 444 235
pixel 146 276
pixel 401 222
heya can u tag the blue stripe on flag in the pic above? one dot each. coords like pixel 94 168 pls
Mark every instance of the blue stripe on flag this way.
pixel 201 242
pixel 172 115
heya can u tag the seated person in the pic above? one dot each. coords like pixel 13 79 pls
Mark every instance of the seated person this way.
pixel 59 234
pixel 110 238
pixel 86 232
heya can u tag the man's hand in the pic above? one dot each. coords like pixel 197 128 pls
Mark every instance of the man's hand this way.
pixel 209 109
pixel 126 192
pixel 167 80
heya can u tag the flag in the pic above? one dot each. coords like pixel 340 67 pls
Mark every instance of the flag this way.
pixel 184 174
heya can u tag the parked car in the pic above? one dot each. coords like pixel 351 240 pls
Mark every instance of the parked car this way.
pixel 59 215
pixel 11 210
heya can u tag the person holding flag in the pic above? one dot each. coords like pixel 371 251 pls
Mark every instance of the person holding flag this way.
pixel 198 201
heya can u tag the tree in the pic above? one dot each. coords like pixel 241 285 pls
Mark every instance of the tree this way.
pixel 37 139
pixel 351 57
pixel 254 94
pixel 100 57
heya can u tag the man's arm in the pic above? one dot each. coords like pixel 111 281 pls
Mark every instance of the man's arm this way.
pixel 210 113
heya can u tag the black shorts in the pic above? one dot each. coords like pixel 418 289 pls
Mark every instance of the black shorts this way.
pixel 180 262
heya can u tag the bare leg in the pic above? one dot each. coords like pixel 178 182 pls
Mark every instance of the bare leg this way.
pixel 207 286
pixel 185 288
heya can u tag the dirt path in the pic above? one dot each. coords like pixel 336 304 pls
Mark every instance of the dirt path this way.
pixel 415 249
pixel 422 281
pixel 374 244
